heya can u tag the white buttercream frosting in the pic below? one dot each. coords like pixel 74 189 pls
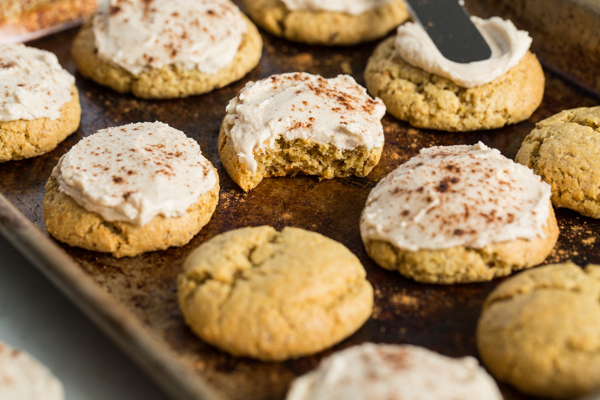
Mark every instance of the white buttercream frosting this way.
pixel 354 7
pixel 394 372
pixel 135 172
pixel 293 106
pixel 22 377
pixel 450 196
pixel 190 34
pixel 33 85
pixel 508 44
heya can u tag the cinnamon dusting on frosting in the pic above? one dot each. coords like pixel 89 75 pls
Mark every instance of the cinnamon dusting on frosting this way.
pixel 33 85
pixel 456 196
pixel 136 172
pixel 303 106
pixel 191 34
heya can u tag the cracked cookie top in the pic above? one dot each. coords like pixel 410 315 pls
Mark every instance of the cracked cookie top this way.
pixel 451 196
pixel 540 331
pixel 135 172
pixel 394 372
pixel 273 295
pixel 141 34
pixel 565 151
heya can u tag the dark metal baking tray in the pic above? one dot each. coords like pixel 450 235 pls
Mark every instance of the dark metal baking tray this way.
pixel 134 299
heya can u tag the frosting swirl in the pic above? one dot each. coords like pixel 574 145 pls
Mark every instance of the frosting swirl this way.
pixel 508 44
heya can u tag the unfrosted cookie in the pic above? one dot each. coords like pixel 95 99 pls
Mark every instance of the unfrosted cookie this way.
pixel 394 372
pixel 540 331
pixel 131 189
pixel 328 23
pixel 432 92
pixel 272 295
pixel 457 214
pixel 565 151
pixel 22 377
pixel 39 103
pixel 169 49
pixel 301 123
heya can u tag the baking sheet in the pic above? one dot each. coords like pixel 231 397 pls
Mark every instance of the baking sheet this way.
pixel 134 299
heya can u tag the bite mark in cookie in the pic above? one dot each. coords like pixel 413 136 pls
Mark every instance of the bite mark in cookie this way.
pixel 271 124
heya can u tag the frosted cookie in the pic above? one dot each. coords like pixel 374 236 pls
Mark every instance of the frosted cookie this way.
pixel 271 295
pixel 540 331
pixel 332 22
pixel 161 49
pixel 131 189
pixel 419 85
pixel 39 103
pixel 301 123
pixel 459 214
pixel 565 151
pixel 394 372
pixel 22 377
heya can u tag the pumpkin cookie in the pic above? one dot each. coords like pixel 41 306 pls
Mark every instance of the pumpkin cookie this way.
pixel 271 295
pixel 394 372
pixel 39 103
pixel 456 214
pixel 201 46
pixel 131 189
pixel 565 151
pixel 22 377
pixel 301 123
pixel 328 23
pixel 435 93
pixel 540 331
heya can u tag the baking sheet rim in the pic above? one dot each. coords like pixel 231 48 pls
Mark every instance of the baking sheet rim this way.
pixel 124 329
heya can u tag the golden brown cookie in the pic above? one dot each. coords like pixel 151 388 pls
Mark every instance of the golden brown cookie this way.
pixel 565 151
pixel 325 27
pixel 272 295
pixel 169 81
pixel 430 101
pixel 462 264
pixel 25 139
pixel 540 331
pixel 70 223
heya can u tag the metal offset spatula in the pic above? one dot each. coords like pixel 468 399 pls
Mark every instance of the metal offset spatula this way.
pixel 450 27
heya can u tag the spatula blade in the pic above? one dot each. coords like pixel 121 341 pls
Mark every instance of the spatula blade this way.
pixel 450 27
